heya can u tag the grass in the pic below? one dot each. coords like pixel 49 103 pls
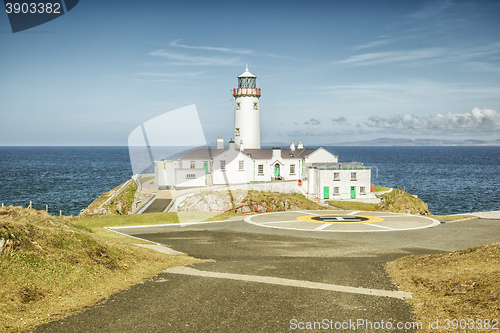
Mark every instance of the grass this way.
pixel 457 285
pixel 352 205
pixel 450 218
pixel 377 188
pixel 122 204
pixel 55 266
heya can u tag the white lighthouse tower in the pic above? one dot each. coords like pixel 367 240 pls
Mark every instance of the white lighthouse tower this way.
pixel 246 111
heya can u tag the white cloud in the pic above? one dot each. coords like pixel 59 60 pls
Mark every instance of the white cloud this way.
pixel 376 58
pixel 477 121
pixel 375 43
pixel 176 43
pixel 486 55
pixel 184 59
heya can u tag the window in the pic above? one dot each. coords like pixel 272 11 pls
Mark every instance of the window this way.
pixel 237 132
pixel 353 175
pixel 255 106
pixel 238 106
pixel 223 165
pixel 292 169
pixel 335 190
pixel 242 165
pixel 260 169
pixel 190 176
pixel 193 164
pixel 336 176
pixel 362 190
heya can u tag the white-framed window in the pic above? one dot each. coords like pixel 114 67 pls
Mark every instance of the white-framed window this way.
pixel 237 132
pixel 260 169
pixel 292 169
pixel 223 165
pixel 242 165
pixel 336 190
pixel 238 106
pixel 362 190
pixel 192 164
pixel 190 176
pixel 255 106
pixel 336 176
pixel 353 175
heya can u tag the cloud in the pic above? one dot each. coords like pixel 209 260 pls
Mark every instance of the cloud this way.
pixel 375 43
pixel 486 55
pixel 184 59
pixel 431 9
pixel 339 121
pixel 477 121
pixel 376 58
pixel 176 43
pixel 312 121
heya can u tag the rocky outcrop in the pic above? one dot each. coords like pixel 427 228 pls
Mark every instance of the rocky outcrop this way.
pixel 212 201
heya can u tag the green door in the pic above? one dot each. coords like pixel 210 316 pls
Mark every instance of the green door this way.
pixel 276 170
pixel 326 192
pixel 353 192
pixel 205 166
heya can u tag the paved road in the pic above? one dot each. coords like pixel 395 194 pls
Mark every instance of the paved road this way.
pixel 225 302
pixel 158 206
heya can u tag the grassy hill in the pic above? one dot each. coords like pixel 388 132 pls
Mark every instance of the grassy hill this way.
pixel 52 266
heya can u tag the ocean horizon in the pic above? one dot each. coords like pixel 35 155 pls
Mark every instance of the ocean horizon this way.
pixel 450 179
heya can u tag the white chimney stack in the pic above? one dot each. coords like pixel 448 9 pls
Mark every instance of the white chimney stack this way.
pixel 276 153
pixel 241 146
pixel 220 143
pixel 292 146
pixel 300 145
pixel 231 144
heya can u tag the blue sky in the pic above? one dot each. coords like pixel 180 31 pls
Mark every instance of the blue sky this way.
pixel 330 71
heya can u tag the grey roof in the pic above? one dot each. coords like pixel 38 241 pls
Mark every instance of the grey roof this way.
pixel 265 154
pixel 258 154
pixel 348 165
pixel 203 153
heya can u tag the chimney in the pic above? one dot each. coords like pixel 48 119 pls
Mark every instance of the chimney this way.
pixel 300 145
pixel 241 146
pixel 276 153
pixel 292 146
pixel 231 144
pixel 220 143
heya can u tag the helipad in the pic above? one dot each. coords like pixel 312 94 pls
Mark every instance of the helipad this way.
pixel 341 221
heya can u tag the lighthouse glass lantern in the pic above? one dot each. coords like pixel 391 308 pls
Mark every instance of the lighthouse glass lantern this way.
pixel 246 111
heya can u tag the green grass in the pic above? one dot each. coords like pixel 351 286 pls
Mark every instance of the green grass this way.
pixel 380 188
pixel 352 205
pixel 457 285
pixel 450 218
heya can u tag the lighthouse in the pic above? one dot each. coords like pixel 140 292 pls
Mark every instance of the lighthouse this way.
pixel 246 111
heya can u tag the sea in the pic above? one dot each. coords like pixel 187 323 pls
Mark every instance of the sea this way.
pixel 450 179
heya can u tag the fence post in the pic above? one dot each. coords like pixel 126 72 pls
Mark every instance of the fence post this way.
pixel 46 208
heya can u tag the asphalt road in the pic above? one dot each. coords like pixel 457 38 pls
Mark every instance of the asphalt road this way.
pixel 172 302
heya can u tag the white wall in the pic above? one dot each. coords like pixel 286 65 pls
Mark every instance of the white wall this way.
pixel 232 173
pixel 248 121
pixel 363 179
pixel 321 156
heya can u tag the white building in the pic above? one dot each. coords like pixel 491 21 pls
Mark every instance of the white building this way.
pixel 243 161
